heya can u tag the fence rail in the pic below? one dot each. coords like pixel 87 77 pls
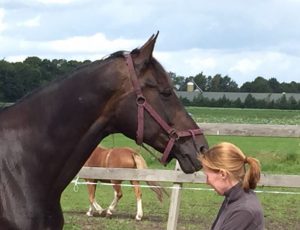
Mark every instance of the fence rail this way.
pixel 177 177
pixel 250 129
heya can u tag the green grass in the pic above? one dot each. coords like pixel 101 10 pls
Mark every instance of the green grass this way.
pixel 245 116
pixel 198 208
pixel 277 155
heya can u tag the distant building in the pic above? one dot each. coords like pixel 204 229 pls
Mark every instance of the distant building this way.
pixel 190 87
pixel 232 96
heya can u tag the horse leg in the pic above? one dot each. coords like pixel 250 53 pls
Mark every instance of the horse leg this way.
pixel 94 206
pixel 138 195
pixel 117 196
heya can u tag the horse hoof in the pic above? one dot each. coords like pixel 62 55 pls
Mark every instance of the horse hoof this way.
pixel 102 213
pixel 89 213
pixel 108 213
pixel 138 218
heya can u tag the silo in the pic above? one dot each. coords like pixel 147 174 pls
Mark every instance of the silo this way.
pixel 190 87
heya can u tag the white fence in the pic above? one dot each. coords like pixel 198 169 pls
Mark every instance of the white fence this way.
pixel 251 130
pixel 177 177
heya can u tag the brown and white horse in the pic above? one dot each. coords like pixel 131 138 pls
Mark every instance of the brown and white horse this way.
pixel 118 158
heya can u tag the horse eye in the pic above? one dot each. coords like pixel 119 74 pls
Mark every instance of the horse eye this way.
pixel 151 84
pixel 166 92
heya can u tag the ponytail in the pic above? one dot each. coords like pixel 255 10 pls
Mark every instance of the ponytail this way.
pixel 252 175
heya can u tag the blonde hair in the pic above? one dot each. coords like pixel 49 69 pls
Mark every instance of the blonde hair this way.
pixel 228 157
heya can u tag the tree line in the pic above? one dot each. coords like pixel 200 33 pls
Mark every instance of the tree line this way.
pixel 217 83
pixel 19 78
pixel 283 102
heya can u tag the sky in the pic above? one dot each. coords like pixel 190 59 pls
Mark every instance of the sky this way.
pixel 240 39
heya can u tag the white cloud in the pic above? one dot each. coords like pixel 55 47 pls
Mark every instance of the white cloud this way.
pixel 206 63
pixel 33 22
pixel 245 65
pixel 79 48
pixel 239 66
pixel 3 25
pixel 89 44
pixel 47 2
pixel 17 58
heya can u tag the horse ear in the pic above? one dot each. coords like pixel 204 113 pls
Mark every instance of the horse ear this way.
pixel 148 47
pixel 144 53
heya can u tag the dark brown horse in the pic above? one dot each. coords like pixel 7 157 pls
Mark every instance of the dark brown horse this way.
pixel 118 158
pixel 46 137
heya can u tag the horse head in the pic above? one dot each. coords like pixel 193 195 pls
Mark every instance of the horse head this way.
pixel 159 118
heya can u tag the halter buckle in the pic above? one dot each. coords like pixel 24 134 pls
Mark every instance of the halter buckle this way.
pixel 140 100
pixel 174 134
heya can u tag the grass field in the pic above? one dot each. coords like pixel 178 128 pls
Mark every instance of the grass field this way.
pixel 245 116
pixel 199 207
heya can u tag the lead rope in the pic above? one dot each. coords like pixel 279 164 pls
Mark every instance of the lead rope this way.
pixel 76 182
pixel 113 140
pixel 151 153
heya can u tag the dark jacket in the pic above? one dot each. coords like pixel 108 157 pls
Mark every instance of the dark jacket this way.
pixel 240 210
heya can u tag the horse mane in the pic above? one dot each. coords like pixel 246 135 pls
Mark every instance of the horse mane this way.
pixel 135 51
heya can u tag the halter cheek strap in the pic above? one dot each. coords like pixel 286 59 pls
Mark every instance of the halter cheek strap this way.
pixel 142 104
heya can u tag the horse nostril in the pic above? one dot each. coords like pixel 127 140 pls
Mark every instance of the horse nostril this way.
pixel 202 149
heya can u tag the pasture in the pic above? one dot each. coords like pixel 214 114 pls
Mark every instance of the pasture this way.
pixel 199 206
pixel 245 116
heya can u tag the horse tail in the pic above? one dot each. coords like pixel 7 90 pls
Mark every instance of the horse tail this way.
pixel 139 160
pixel 155 186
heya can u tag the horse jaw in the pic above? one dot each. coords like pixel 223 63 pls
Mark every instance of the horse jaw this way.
pixel 187 164
pixel 188 157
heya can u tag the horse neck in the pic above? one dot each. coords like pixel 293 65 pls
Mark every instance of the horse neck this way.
pixel 91 123
pixel 70 118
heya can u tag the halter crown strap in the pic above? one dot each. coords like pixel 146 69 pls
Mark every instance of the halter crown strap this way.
pixel 142 103
pixel 140 100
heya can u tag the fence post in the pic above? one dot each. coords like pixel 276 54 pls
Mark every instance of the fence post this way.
pixel 174 203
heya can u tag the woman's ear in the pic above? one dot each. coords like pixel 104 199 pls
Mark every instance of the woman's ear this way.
pixel 223 174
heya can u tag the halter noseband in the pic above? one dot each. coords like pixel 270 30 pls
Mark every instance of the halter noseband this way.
pixel 142 103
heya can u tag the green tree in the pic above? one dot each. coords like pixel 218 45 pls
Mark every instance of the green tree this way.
pixel 178 81
pixel 292 103
pixel 215 83
pixel 228 85
pixel 259 85
pixel 275 85
pixel 201 80
pixel 27 78
pixel 7 79
pixel 246 87
pixel 250 101
pixel 281 103
pixel 238 103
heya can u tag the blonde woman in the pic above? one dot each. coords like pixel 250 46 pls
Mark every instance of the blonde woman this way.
pixel 234 176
